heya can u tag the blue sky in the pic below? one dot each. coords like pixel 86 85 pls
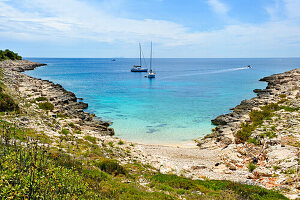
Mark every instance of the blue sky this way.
pixel 178 28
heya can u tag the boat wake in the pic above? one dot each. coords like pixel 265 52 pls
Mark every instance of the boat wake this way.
pixel 211 72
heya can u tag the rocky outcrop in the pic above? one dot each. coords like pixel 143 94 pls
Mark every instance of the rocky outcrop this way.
pixel 20 65
pixel 279 84
pixel 274 146
pixel 65 102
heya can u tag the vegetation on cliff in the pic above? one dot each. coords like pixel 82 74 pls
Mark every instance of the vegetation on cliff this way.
pixel 257 117
pixel 7 103
pixel 9 55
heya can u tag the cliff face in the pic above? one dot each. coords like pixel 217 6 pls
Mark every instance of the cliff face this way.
pixel 65 102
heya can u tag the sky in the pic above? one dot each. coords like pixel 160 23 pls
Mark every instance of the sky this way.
pixel 178 28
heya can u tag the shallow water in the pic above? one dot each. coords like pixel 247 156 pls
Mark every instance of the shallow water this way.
pixel 174 107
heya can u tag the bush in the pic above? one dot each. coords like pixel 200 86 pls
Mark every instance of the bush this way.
pixel 46 106
pixel 90 139
pixel 41 99
pixel 65 131
pixel 289 109
pixel 245 132
pixel 111 166
pixel 71 124
pixel 9 55
pixel 77 132
pixel 120 142
pixel 251 167
pixel 253 140
pixel 282 96
pixel 7 103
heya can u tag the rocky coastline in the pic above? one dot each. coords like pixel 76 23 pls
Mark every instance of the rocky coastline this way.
pixel 65 102
pixel 217 156
pixel 274 146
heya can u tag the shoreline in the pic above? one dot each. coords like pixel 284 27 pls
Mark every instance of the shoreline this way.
pixel 216 156
pixel 64 101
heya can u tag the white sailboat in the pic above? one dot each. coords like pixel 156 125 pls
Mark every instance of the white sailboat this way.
pixel 151 73
pixel 139 68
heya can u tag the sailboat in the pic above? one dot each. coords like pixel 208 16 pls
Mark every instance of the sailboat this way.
pixel 139 68
pixel 151 73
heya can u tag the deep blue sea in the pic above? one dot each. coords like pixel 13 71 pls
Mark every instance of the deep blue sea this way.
pixel 176 106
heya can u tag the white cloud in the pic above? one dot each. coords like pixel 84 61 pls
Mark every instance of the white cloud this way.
pixel 72 18
pixel 218 7
pixel 61 20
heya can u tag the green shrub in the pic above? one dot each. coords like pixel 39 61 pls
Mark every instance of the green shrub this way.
pixel 9 55
pixel 251 167
pixel 111 144
pixel 61 115
pixel 46 106
pixel 289 109
pixel 7 103
pixel 111 166
pixel 41 99
pixel 270 134
pixel 282 96
pixel 65 131
pixel 95 174
pixel 77 132
pixel 253 140
pixel 120 142
pixel 90 139
pixel 72 125
pixel 245 132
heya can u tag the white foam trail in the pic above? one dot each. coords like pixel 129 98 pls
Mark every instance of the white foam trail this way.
pixel 213 72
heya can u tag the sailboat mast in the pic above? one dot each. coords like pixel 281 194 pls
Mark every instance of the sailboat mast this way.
pixel 151 57
pixel 140 54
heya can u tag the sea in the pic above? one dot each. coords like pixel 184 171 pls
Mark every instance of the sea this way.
pixel 177 106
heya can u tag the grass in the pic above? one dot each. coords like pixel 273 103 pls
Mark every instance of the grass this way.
pixel 211 189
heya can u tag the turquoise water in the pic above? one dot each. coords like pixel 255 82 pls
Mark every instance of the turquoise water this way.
pixel 176 106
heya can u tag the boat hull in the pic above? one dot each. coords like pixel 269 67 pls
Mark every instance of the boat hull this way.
pixel 151 75
pixel 139 70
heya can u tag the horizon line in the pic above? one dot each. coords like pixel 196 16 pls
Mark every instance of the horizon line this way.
pixel 158 57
